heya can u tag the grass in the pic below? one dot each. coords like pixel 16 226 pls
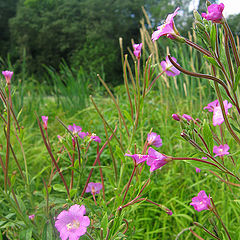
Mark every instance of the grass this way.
pixel 173 186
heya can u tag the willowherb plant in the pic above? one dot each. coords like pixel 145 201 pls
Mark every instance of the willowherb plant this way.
pixel 66 210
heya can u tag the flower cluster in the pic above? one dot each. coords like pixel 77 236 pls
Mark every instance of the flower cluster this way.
pixel 77 130
pixel 154 159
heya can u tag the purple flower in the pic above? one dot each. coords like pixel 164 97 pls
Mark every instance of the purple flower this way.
pixel 217 111
pixel 198 170
pixel 72 223
pixel 8 75
pixel 167 29
pixel 138 158
pixel 221 150
pixel 201 202
pixel 169 212
pixel 214 13
pixel 210 107
pixel 45 121
pixel 154 139
pixel 187 117
pixel 155 159
pixel 74 129
pixel 169 68
pixel 83 134
pixel 94 188
pixel 31 217
pixel 137 50
pixel 176 117
pixel 95 138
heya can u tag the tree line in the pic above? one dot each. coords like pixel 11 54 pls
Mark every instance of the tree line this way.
pixel 82 32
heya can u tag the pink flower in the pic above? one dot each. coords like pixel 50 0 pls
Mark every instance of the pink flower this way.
pixel 83 134
pixel 95 138
pixel 167 29
pixel 156 159
pixel 169 68
pixel 94 187
pixel 154 139
pixel 221 150
pixel 74 129
pixel 72 223
pixel 214 13
pixel 187 117
pixel 210 107
pixel 176 117
pixel 169 212
pixel 31 217
pixel 198 170
pixel 137 50
pixel 8 75
pixel 201 202
pixel 217 111
pixel 45 121
pixel 138 158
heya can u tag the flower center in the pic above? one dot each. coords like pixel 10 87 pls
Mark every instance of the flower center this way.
pixel 73 225
pixel 93 190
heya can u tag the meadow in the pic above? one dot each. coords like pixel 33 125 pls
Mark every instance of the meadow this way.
pixel 134 202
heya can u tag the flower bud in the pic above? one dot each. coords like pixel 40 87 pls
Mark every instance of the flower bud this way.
pixel 176 117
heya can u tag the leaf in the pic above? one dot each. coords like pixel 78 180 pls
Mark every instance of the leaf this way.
pixel 237 78
pixel 59 188
pixel 26 234
pixel 47 232
pixel 207 136
pixel 213 37
pixel 211 60
pixel 104 224
pixel 235 128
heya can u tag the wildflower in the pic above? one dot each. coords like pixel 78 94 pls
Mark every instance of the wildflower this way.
pixel 155 159
pixel 214 13
pixel 187 117
pixel 176 117
pixel 83 134
pixel 45 121
pixel 221 150
pixel 72 223
pixel 154 139
pixel 74 129
pixel 169 68
pixel 31 217
pixel 169 212
pixel 167 29
pixel 201 202
pixel 215 107
pixel 198 170
pixel 94 188
pixel 8 75
pixel 95 138
pixel 210 107
pixel 137 50
pixel 138 158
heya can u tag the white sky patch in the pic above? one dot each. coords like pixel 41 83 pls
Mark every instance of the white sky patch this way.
pixel 231 6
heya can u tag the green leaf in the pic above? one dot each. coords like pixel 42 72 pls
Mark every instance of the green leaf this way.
pixel 236 129
pixel 207 136
pixel 104 224
pixel 237 78
pixel 211 60
pixel 213 37
pixel 73 192
pixel 26 234
pixel 59 188
pixel 47 232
